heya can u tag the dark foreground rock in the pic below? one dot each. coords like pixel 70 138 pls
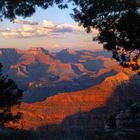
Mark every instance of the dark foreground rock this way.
pixel 13 134
pixel 116 134
pixel 124 125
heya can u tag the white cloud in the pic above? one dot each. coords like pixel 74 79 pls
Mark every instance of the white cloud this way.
pixel 28 22
pixel 10 34
pixel 47 24
pixel 41 30
pixel 5 30
pixel 68 28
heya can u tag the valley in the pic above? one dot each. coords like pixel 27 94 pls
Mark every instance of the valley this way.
pixel 41 73
pixel 64 97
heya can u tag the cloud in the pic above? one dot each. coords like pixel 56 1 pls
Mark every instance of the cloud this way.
pixel 68 28
pixel 43 29
pixel 47 24
pixel 5 30
pixel 26 32
pixel 28 22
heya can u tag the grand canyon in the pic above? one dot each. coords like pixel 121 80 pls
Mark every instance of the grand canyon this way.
pixel 69 70
pixel 70 93
pixel 41 73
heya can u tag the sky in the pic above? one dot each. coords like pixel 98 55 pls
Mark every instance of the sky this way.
pixel 53 29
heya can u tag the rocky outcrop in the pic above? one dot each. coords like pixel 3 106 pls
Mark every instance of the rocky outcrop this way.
pixel 124 125
pixel 127 118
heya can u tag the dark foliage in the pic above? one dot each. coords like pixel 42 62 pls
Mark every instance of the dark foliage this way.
pixel 11 8
pixel 10 95
pixel 118 22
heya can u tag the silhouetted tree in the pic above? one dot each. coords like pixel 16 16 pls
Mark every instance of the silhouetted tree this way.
pixel 118 22
pixel 10 95
pixel 25 8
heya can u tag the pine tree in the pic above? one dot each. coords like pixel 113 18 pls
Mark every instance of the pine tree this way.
pixel 118 23
pixel 10 95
